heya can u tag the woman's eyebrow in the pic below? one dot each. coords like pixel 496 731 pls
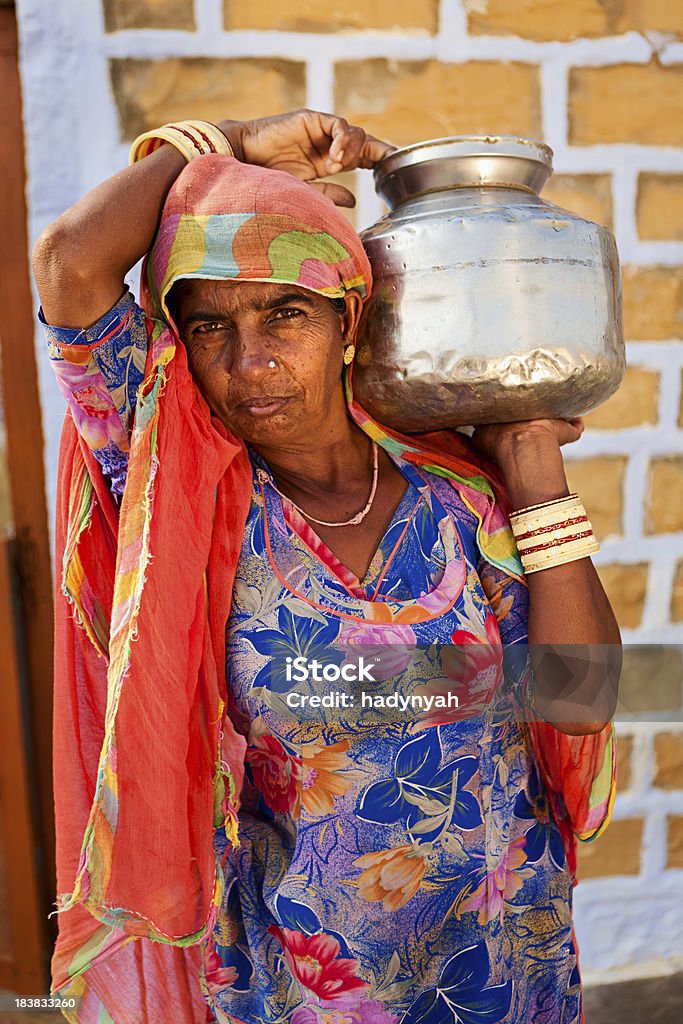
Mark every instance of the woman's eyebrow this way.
pixel 202 315
pixel 282 300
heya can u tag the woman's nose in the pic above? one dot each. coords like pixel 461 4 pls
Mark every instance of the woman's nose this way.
pixel 249 354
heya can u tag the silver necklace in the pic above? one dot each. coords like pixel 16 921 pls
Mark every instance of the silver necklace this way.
pixel 358 518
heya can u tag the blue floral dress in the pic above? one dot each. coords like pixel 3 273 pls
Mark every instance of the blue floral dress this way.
pixel 396 864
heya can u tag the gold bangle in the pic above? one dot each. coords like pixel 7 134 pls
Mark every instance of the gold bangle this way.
pixel 545 504
pixel 554 537
pixel 212 137
pixel 190 138
pixel 533 523
pixel 561 555
pixel 559 509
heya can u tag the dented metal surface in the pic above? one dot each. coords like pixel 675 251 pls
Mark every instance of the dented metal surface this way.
pixel 489 304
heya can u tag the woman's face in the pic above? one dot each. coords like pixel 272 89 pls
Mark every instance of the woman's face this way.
pixel 232 330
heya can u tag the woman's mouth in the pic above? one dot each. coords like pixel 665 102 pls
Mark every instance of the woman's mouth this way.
pixel 261 408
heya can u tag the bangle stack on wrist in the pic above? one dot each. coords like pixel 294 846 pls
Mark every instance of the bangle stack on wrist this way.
pixel 552 533
pixel 191 138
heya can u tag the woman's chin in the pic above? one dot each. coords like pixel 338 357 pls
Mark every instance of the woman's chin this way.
pixel 265 427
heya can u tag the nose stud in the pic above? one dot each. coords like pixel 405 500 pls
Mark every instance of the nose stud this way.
pixel 272 364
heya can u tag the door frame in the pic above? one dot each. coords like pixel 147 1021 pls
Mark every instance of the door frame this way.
pixel 28 566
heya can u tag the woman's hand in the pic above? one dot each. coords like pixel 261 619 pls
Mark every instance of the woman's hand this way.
pixel 528 454
pixel 499 441
pixel 307 144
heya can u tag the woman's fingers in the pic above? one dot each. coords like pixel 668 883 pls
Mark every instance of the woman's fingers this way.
pixel 339 195
pixel 374 150
pixel 351 146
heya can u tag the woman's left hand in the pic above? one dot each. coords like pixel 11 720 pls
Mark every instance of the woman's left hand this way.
pixel 497 441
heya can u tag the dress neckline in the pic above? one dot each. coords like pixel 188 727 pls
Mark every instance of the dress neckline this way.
pixel 281 521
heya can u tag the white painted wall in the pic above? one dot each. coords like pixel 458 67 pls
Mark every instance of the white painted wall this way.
pixel 71 125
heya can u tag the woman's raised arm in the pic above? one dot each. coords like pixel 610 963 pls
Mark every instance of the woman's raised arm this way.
pixel 81 259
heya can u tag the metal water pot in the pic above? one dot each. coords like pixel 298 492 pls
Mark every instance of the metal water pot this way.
pixel 489 304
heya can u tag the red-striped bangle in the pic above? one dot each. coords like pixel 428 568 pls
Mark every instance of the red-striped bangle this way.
pixel 191 139
pixel 553 526
pixel 556 543
pixel 206 138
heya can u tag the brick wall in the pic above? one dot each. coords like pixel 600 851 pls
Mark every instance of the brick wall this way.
pixel 602 83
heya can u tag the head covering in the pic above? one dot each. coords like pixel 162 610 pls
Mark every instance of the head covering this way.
pixel 265 226
pixel 146 761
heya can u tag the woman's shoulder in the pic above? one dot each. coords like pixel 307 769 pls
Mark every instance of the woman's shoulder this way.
pixel 448 492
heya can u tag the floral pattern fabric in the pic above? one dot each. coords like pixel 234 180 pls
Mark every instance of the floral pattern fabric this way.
pixel 391 868
pixel 98 370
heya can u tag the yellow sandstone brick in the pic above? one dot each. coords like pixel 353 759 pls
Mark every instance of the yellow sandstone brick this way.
pixel 538 19
pixel 660 207
pixel 635 403
pixel 677 595
pixel 669 760
pixel 624 762
pixel 332 16
pixel 650 680
pixel 151 92
pixel 562 20
pixel 599 482
pixel 589 195
pixel 674 841
pixel 625 586
pixel 615 852
pixel 173 14
pixel 653 15
pixel 405 102
pixel 664 511
pixel 639 103
pixel 653 303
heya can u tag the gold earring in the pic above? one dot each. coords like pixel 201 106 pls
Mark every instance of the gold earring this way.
pixel 349 353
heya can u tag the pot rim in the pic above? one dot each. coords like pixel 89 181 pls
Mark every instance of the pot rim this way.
pixel 465 146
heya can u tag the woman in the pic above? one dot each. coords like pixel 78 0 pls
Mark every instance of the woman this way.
pixel 225 506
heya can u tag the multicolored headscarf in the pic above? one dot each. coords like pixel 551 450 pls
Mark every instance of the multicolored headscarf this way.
pixel 146 762
pixel 264 226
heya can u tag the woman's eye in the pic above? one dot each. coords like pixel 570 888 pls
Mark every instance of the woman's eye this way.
pixel 208 328
pixel 287 310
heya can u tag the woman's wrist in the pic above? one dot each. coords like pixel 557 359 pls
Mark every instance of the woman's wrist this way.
pixel 533 473
pixel 234 132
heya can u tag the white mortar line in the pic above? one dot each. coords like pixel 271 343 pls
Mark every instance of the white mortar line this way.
pixel 669 398
pixel 452 43
pixel 627 48
pixel 635 496
pixel 628 442
pixel 653 852
pixel 630 972
pixel 624 192
pixel 603 158
pixel 554 105
pixel 208 16
pixel 320 83
pixel 657 605
pixel 150 44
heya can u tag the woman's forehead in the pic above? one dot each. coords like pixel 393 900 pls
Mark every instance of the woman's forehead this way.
pixel 236 295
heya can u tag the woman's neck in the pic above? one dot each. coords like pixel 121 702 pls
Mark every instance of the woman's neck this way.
pixel 322 466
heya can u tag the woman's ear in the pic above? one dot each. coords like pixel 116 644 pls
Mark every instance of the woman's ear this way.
pixel 351 318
